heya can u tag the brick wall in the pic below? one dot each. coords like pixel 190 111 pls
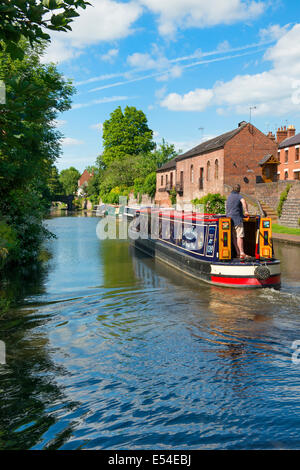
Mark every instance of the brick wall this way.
pixel 289 169
pixel 242 155
pixel 212 179
pixel 269 193
pixel 162 179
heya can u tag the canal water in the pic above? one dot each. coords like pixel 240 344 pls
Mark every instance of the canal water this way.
pixel 109 349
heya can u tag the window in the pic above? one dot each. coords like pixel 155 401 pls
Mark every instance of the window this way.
pixel 216 169
pixel 297 175
pixel 166 179
pixel 171 179
pixel 286 175
pixel 208 171
pixel 192 173
pixel 162 180
pixel 181 178
pixel 286 156
pixel 297 154
pixel 201 178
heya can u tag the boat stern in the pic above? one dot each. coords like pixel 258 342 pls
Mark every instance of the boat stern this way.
pixel 247 274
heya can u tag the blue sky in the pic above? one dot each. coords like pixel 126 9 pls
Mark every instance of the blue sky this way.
pixel 195 67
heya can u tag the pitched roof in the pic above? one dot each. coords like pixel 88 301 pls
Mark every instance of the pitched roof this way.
pixel 290 141
pixel 212 144
pixel 168 166
pixel 267 158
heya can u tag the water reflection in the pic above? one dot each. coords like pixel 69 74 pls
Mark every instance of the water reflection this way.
pixel 112 349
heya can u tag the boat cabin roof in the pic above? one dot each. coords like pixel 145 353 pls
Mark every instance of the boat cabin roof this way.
pixel 188 216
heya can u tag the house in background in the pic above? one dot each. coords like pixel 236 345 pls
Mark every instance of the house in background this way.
pixel 289 153
pixel 213 166
pixel 83 182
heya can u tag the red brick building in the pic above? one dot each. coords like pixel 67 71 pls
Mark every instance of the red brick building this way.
pixel 233 157
pixel 83 182
pixel 288 153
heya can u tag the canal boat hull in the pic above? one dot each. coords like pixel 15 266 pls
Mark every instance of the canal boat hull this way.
pixel 234 273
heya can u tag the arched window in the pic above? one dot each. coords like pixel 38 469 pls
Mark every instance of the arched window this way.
pixel 216 169
pixel 208 171
pixel 192 173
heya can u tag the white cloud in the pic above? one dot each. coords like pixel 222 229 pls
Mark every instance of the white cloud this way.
pixel 286 53
pixel 105 20
pixel 174 72
pixel 196 100
pixel 97 127
pixel 59 122
pixel 174 14
pixel 272 91
pixel 142 61
pixel 110 56
pixel 110 99
pixel 273 32
pixel 67 141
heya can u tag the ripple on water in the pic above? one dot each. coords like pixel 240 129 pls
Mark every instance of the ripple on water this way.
pixel 130 354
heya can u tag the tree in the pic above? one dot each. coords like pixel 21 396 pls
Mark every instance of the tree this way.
pixel 54 185
pixel 29 145
pixel 149 186
pixel 164 153
pixel 30 19
pixel 69 180
pixel 126 134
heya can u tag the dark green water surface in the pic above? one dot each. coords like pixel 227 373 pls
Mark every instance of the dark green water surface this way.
pixel 109 349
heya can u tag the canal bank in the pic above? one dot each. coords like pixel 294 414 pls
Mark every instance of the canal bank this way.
pixel 287 238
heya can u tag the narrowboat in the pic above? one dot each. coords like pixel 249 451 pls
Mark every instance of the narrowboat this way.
pixel 109 209
pixel 201 245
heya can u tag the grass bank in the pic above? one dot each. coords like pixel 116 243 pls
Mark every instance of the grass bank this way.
pixel 288 230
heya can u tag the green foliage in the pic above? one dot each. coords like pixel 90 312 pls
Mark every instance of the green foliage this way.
pixel 164 153
pixel 149 186
pixel 213 203
pixel 113 196
pixel 29 146
pixel 126 134
pixel 54 185
pixel 31 18
pixel 173 196
pixel 130 158
pixel 8 241
pixel 69 180
pixel 93 188
pixel 283 198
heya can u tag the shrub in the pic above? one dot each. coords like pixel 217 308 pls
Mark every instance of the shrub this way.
pixel 173 195
pixel 283 198
pixel 8 241
pixel 213 203
pixel 149 186
pixel 113 196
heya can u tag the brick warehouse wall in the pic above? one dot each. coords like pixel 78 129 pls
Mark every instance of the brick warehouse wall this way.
pixel 242 155
pixel 212 184
pixel 162 196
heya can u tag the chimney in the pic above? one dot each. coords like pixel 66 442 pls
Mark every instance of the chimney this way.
pixel 271 136
pixel 291 131
pixel 282 134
